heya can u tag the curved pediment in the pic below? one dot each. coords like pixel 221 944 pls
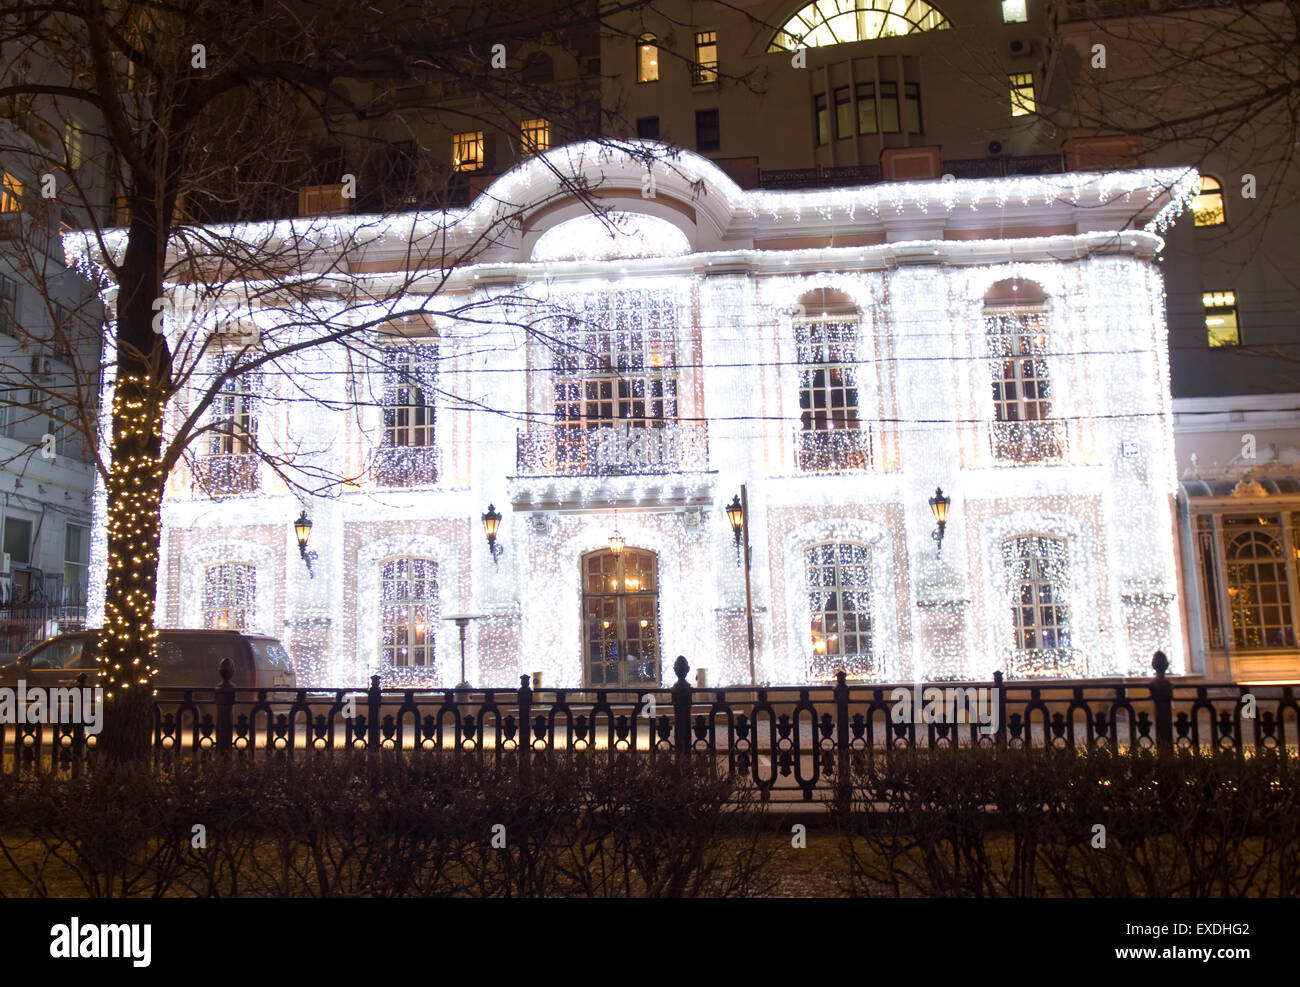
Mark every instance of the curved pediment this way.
pixel 613 235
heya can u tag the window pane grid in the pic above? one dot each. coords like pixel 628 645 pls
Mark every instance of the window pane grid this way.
pixel 838 580
pixel 1036 567
pixel 1259 591
pixel 229 596
pixel 408 612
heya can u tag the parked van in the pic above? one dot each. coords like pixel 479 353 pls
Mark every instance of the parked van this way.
pixel 186 659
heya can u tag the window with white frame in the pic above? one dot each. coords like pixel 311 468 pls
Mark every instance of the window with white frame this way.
pixel 838 583
pixel 229 465
pixel 8 305
pixel 615 385
pixel 831 433
pixel 1259 588
pixel 76 562
pixel 408 456
pixel 408 612
pixel 1037 570
pixel 230 596
pixel 1017 336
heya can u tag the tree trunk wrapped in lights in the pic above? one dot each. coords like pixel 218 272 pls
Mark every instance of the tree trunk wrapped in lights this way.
pixel 128 639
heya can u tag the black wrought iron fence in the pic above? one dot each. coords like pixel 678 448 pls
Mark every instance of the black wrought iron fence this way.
pixel 790 741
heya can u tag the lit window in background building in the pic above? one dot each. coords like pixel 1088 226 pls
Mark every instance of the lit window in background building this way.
pixel 647 59
pixel 1015 11
pixel 1207 207
pixel 1022 94
pixel 535 135
pixel 467 151
pixel 11 193
pixel 1221 328
pixel 705 70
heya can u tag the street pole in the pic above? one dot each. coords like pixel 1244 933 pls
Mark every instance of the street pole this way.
pixel 749 596
pixel 462 623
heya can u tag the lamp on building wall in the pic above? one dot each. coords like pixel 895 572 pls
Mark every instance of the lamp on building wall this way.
pixel 616 543
pixel 939 506
pixel 736 515
pixel 491 522
pixel 302 531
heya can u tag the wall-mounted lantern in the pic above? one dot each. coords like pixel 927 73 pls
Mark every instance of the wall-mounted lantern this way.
pixel 302 531
pixel 492 522
pixel 939 506
pixel 736 515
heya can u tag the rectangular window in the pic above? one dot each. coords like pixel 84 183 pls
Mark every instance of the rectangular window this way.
pixel 831 436
pixel 647 59
pixel 823 119
pixel 867 108
pixel 229 596
pixel 839 606
pixel 1015 11
pixel 912 106
pixel 467 151
pixel 408 612
pixel 76 562
pixel 409 455
pixel 1221 327
pixel 1036 567
pixel 1022 399
pixel 74 144
pixel 647 128
pixel 705 72
pixel 535 136
pixel 230 464
pixel 708 137
pixel 1022 94
pixel 615 391
pixel 843 114
pixel 11 193
pixel 18 541
pixel 8 305
pixel 889 108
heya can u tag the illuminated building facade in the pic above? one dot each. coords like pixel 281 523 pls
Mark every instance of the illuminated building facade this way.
pixel 842 353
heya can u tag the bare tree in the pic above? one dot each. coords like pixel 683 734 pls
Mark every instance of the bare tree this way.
pixel 203 116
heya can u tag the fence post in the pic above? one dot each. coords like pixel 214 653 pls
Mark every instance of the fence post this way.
pixel 843 787
pixel 79 729
pixel 681 709
pixel 525 700
pixel 1000 697
pixel 372 715
pixel 1162 698
pixel 224 697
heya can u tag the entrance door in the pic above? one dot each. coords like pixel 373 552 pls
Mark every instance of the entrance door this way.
pixel 620 609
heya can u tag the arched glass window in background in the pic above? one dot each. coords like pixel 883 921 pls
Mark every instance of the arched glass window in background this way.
pixel 1259 594
pixel 838 22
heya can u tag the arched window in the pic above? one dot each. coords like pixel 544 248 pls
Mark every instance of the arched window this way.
pixel 230 596
pixel 1036 569
pixel 409 455
pixel 838 582
pixel 1016 328
pixel 229 465
pixel 832 435
pixel 620 618
pixel 839 22
pixel 1207 207
pixel 408 612
pixel 1258 590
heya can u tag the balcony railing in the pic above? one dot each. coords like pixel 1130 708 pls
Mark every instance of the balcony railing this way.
pixel 230 475
pixel 834 451
pixel 405 466
pixel 616 449
pixel 1028 442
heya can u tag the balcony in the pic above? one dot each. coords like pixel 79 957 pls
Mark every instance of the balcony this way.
pixel 835 451
pixel 228 475
pixel 405 466
pixel 1018 443
pixel 616 449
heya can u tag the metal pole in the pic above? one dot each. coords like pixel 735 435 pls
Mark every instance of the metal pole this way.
pixel 749 596
pixel 462 623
